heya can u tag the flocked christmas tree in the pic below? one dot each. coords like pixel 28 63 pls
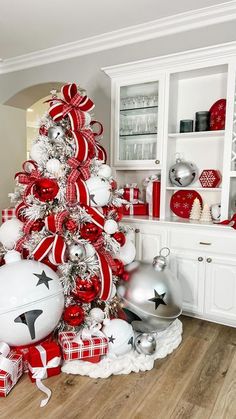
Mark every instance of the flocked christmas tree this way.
pixel 196 210
pixel 68 208
pixel 206 214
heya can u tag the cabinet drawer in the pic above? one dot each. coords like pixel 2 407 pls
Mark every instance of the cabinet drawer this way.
pixel 224 243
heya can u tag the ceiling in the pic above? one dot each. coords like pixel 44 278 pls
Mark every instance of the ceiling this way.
pixel 28 26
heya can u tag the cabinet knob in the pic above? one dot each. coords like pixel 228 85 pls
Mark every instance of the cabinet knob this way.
pixel 157 161
pixel 209 260
pixel 200 259
pixel 137 230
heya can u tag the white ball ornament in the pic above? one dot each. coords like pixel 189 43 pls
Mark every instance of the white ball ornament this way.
pixel 31 300
pixel 99 191
pixel 105 171
pixel 76 252
pixel 120 336
pixel 10 232
pixel 38 153
pixel 53 166
pixel 110 226
pixel 126 253
pixel 97 315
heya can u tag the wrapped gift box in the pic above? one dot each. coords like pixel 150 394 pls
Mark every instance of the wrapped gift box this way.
pixel 131 192
pixel 44 360
pixel 7 380
pixel 153 197
pixel 8 214
pixel 89 350
pixel 135 209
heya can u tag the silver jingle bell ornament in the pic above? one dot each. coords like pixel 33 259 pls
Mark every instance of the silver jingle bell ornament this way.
pixel 55 133
pixel 145 343
pixel 152 296
pixel 183 173
pixel 76 252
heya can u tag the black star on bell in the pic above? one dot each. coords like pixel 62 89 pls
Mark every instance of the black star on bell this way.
pixel 43 279
pixel 111 339
pixel 158 299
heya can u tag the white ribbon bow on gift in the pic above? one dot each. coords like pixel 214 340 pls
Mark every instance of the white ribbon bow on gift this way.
pixel 148 183
pixel 7 364
pixel 39 373
pixel 88 333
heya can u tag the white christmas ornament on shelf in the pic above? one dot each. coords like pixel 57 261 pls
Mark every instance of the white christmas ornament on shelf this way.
pixel 110 226
pixel 206 214
pixel 196 210
pixel 31 300
pixel 99 191
pixel 126 253
pixel 120 336
pixel 216 212
pixel 105 171
pixel 10 232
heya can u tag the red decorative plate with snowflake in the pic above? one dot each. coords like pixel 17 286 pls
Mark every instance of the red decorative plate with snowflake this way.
pixel 217 115
pixel 181 202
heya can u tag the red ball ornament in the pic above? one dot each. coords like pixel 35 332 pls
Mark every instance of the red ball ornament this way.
pixel 117 267
pixel 38 225
pixel 45 189
pixel 90 231
pixel 43 130
pixel 119 237
pixel 125 276
pixel 73 315
pixel 71 225
pixel 113 184
pixel 86 290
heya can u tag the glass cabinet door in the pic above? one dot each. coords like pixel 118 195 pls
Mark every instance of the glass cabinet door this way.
pixel 138 128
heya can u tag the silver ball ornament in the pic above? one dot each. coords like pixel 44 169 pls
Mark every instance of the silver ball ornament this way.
pixel 183 173
pixel 145 343
pixel 55 133
pixel 76 252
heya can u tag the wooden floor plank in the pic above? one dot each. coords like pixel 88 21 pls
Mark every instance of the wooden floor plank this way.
pixel 197 381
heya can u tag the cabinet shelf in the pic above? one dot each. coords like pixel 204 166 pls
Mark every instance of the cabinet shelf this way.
pixel 197 134
pixel 138 109
pixel 198 188
pixel 137 135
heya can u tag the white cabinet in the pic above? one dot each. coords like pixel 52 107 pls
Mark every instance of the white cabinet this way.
pixel 220 289
pixel 190 268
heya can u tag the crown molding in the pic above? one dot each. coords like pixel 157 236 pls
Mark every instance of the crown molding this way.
pixel 182 22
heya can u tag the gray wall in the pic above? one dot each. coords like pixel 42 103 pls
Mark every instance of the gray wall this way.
pixel 86 71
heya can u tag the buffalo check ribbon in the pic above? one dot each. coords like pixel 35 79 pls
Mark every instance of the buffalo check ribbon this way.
pixel 76 189
pixel 28 177
pixel 73 105
pixel 7 364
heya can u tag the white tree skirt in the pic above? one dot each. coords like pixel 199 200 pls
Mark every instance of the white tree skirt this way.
pixel 167 341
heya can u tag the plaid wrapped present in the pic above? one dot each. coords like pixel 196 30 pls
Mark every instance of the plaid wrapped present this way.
pixel 89 350
pixel 8 214
pixel 11 369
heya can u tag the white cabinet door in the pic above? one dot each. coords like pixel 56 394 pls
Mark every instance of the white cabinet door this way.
pixel 220 289
pixel 190 268
pixel 150 240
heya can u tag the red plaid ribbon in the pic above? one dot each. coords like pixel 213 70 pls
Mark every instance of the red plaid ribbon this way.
pixel 20 207
pixel 74 105
pixel 20 243
pixel 53 243
pixel 89 347
pixel 76 189
pixel 28 177
pixel 100 151
pixel 8 214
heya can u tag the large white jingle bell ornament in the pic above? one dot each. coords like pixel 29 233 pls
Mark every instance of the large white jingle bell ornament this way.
pixel 152 297
pixel 31 300
pixel 105 171
pixel 54 166
pixel 183 173
pixel 10 232
pixel 99 191
pixel 126 253
pixel 55 133
pixel 120 336
pixel 110 226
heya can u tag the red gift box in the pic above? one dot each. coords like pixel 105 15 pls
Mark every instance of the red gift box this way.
pixel 8 214
pixel 135 209
pixel 44 361
pixel 89 350
pixel 11 369
pixel 153 197
pixel 131 192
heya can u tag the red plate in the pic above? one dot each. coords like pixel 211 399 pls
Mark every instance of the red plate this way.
pixel 181 202
pixel 217 115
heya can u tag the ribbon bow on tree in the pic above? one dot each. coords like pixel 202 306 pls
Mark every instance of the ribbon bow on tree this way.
pixel 54 243
pixel 74 105
pixel 28 177
pixel 76 190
